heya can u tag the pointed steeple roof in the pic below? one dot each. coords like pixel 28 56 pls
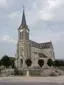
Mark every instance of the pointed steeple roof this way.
pixel 23 18
pixel 23 23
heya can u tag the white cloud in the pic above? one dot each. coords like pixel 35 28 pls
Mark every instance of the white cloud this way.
pixel 56 37
pixel 54 3
pixel 7 38
pixel 46 10
pixel 47 35
pixel 45 15
pixel 14 14
pixel 30 16
pixel 3 3
pixel 49 9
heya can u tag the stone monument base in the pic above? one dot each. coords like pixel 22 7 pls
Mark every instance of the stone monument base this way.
pixel 27 73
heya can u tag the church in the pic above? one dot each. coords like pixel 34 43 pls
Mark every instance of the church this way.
pixel 28 49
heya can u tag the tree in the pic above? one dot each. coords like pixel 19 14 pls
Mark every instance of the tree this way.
pixel 0 62
pixel 41 62
pixel 50 62
pixel 6 61
pixel 12 60
pixel 58 63
pixel 28 62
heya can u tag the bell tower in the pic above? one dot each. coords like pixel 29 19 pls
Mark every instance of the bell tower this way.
pixel 23 45
pixel 23 29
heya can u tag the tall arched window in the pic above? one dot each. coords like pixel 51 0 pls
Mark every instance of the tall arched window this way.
pixel 21 35
pixel 27 34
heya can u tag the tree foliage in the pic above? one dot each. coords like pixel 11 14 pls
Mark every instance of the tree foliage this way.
pixel 7 61
pixel 50 62
pixel 41 62
pixel 28 62
pixel 58 63
pixel 12 62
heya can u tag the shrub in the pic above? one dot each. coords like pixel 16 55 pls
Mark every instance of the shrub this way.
pixel 50 62
pixel 28 62
pixel 41 62
pixel 58 63
pixel 5 61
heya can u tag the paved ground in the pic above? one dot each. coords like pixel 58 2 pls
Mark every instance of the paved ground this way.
pixel 27 83
pixel 32 80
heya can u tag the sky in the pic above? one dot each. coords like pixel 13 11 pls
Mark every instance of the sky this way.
pixel 45 19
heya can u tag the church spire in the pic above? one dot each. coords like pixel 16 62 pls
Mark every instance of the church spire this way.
pixel 23 18
pixel 23 22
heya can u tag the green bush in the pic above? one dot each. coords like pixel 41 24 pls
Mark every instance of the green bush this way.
pixel 41 62
pixel 28 62
pixel 58 63
pixel 7 61
pixel 50 62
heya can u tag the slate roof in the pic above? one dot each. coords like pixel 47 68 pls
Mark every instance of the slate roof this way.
pixel 23 23
pixel 34 44
pixel 46 45
pixel 23 19
pixel 41 45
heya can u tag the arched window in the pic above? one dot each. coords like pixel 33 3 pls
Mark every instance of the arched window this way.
pixel 26 35
pixel 21 35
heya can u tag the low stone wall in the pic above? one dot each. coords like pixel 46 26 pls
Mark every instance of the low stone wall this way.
pixel 7 72
pixel 51 71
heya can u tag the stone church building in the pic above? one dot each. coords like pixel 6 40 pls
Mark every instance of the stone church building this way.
pixel 28 49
